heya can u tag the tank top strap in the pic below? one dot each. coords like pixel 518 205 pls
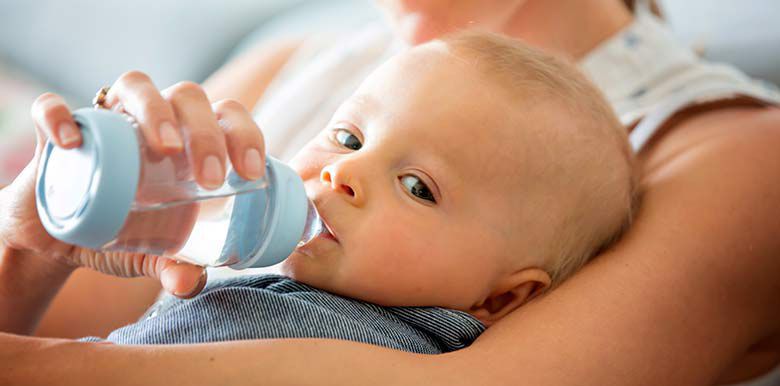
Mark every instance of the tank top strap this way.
pixel 648 126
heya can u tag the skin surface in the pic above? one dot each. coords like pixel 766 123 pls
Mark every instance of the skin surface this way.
pixel 455 229
pixel 459 206
pixel 420 21
pixel 688 297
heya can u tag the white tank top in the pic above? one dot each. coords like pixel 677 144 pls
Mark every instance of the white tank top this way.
pixel 648 76
pixel 644 72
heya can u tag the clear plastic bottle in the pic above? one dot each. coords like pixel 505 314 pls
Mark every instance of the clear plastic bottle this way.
pixel 115 194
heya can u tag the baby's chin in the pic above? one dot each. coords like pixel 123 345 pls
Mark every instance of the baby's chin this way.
pixel 305 267
pixel 319 272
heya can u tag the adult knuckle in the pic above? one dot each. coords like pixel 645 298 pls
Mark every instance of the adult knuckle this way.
pixel 153 108
pixel 229 105
pixel 45 98
pixel 252 135
pixel 185 89
pixel 43 103
pixel 207 140
pixel 133 76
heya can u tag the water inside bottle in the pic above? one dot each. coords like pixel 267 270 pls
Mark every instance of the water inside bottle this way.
pixel 191 225
pixel 210 232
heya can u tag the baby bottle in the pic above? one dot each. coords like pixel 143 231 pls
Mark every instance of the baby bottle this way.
pixel 115 194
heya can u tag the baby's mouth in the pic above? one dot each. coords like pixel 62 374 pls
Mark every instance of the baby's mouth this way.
pixel 327 231
pixel 316 226
pixel 321 231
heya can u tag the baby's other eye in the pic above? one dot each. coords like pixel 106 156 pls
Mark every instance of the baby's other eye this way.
pixel 417 187
pixel 347 139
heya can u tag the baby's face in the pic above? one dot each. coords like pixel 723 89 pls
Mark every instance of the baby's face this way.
pixel 414 177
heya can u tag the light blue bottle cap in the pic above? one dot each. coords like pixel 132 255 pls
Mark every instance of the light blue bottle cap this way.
pixel 84 195
pixel 278 212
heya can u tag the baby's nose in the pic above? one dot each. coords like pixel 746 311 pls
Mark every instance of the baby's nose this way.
pixel 330 177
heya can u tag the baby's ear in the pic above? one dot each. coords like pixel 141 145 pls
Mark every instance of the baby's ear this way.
pixel 512 292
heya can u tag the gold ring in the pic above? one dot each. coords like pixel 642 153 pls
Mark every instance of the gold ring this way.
pixel 100 98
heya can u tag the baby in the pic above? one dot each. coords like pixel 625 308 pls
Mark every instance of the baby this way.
pixel 464 178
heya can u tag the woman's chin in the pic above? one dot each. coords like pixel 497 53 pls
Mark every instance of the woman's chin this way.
pixel 416 29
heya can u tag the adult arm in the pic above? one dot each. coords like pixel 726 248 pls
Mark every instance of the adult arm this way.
pixel 246 77
pixel 113 303
pixel 28 283
pixel 682 297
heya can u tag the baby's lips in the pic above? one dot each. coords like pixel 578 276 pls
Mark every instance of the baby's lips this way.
pixel 327 231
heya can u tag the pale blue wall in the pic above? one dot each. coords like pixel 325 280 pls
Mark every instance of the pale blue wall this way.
pixel 77 45
pixel 742 32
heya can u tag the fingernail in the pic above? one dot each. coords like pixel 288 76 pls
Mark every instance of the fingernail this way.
pixel 212 172
pixel 170 137
pixel 252 164
pixel 69 134
pixel 167 279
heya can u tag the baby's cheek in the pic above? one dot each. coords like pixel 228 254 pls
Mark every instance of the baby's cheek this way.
pixel 308 163
pixel 383 253
pixel 397 268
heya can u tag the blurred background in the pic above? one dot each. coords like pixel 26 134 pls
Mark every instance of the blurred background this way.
pixel 73 47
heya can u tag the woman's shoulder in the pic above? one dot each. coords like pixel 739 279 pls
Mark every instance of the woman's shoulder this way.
pixel 696 277
pixel 723 132
pixel 712 176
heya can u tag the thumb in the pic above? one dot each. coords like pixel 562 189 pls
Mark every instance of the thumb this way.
pixel 181 279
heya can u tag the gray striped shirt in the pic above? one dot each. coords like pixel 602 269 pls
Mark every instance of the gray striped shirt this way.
pixel 272 306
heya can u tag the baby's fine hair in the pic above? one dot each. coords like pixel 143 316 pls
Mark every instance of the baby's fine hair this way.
pixel 603 205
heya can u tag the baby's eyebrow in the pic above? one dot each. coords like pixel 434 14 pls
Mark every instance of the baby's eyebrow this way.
pixel 439 167
pixel 367 104
pixel 454 171
pixel 442 176
pixel 356 110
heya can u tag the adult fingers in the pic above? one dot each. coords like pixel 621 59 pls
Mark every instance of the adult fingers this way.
pixel 179 278
pixel 205 140
pixel 244 139
pixel 135 93
pixel 183 280
pixel 52 116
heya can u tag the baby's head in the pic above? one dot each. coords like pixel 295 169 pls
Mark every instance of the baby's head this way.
pixel 471 173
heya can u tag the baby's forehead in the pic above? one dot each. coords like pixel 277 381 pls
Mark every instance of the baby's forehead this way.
pixel 461 117
pixel 484 156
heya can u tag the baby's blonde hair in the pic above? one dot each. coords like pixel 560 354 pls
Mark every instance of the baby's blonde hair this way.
pixel 603 205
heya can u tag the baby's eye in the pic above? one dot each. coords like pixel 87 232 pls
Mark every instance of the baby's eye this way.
pixel 347 139
pixel 417 187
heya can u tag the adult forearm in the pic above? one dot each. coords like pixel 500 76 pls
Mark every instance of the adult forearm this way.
pixel 246 77
pixel 268 362
pixel 28 283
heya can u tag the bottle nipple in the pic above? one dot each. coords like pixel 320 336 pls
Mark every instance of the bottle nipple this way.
pixel 314 226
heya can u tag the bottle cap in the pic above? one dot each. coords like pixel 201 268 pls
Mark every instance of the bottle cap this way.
pixel 84 195
pixel 278 212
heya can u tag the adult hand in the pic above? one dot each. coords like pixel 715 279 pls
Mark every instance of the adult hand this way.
pixel 179 118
